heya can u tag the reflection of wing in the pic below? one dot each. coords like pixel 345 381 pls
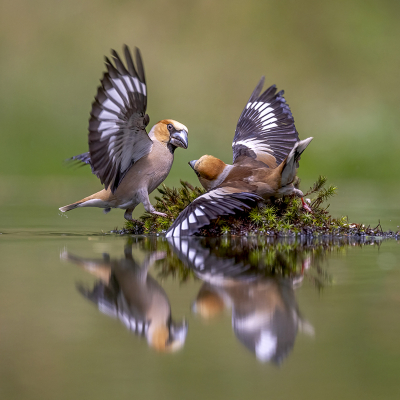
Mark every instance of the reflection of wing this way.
pixel 114 305
pixel 195 253
pixel 117 134
pixel 265 130
pixel 271 341
pixel 266 320
pixel 220 201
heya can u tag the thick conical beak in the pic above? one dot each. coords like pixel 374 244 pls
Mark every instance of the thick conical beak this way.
pixel 192 163
pixel 180 139
pixel 178 334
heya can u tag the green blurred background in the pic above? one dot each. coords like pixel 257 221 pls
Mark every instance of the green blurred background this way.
pixel 338 63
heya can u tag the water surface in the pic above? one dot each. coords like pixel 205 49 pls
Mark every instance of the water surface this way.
pixel 235 317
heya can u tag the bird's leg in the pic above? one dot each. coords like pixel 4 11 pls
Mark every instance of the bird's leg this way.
pixel 306 206
pixel 152 258
pixel 128 251
pixel 128 214
pixel 143 196
pixel 300 194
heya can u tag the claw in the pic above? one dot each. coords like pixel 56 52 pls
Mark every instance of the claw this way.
pixel 306 206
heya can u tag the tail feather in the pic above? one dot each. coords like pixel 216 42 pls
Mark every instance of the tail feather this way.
pixel 95 200
pixel 70 206
pixel 291 163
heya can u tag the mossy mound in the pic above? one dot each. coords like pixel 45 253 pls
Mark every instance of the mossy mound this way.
pixel 281 217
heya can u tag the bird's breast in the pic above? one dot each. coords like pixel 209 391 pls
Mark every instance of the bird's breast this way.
pixel 147 173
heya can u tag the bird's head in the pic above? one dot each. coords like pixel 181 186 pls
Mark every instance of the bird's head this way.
pixel 208 169
pixel 172 133
pixel 208 303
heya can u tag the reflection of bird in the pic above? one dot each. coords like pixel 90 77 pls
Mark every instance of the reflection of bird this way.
pixel 266 151
pixel 128 161
pixel 126 291
pixel 265 315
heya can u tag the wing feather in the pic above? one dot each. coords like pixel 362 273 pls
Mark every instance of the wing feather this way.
pixel 117 127
pixel 209 206
pixel 265 130
pixel 80 160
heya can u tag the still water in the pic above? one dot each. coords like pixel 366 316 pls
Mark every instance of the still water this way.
pixel 92 315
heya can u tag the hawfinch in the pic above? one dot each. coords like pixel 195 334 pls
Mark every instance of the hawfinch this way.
pixel 126 291
pixel 128 161
pixel 266 151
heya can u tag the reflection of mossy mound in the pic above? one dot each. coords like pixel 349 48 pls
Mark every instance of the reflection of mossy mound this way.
pixel 281 217
pixel 241 257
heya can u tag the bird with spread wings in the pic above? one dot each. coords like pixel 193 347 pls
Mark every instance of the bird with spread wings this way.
pixel 128 161
pixel 266 150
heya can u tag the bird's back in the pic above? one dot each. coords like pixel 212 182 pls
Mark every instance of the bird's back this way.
pixel 260 180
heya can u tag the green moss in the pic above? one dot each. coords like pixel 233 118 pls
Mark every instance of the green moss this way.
pixel 279 217
pixel 171 202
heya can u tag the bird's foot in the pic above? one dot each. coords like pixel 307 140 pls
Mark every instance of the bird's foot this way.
pixel 306 206
pixel 160 214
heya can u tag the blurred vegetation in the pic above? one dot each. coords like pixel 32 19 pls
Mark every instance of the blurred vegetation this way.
pixel 337 61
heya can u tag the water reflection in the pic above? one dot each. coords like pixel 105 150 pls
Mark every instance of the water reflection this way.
pixel 265 314
pixel 127 291
pixel 255 278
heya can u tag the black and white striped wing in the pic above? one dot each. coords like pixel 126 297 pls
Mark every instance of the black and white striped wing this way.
pixel 265 130
pixel 209 266
pixel 117 127
pixel 209 206
pixel 114 305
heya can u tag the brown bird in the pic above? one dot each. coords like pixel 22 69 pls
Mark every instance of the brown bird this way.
pixel 266 151
pixel 128 161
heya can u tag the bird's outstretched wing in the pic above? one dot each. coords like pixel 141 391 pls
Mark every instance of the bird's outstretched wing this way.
pixel 209 206
pixel 265 130
pixel 117 127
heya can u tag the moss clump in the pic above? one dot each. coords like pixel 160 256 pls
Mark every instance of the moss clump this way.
pixel 280 217
pixel 171 202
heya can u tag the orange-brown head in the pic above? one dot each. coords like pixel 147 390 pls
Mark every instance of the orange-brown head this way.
pixel 171 133
pixel 208 304
pixel 209 170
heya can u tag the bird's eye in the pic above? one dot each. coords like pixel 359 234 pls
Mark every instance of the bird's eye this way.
pixel 170 127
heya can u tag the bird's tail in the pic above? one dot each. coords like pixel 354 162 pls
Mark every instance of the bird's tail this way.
pixel 291 163
pixel 90 201
pixel 70 206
